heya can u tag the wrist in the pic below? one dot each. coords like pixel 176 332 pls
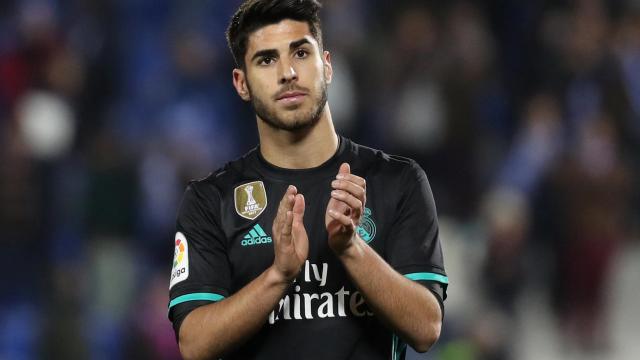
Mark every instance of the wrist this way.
pixel 353 249
pixel 276 277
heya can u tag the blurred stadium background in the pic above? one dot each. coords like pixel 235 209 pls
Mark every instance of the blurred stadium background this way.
pixel 525 115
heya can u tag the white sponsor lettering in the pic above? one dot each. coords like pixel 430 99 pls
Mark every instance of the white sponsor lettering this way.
pixel 341 294
pixel 326 308
pixel 319 305
pixel 319 276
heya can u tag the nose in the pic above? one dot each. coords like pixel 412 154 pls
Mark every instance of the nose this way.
pixel 288 73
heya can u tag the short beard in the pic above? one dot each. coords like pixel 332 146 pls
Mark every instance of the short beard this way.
pixel 304 121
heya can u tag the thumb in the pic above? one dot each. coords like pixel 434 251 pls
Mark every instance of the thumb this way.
pixel 344 169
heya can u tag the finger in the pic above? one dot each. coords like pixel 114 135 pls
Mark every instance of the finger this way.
pixel 286 198
pixel 353 202
pixel 345 169
pixel 342 219
pixel 289 197
pixel 301 242
pixel 349 187
pixel 298 207
pixel 354 179
pixel 299 234
pixel 339 206
pixel 295 214
pixel 286 203
pixel 285 234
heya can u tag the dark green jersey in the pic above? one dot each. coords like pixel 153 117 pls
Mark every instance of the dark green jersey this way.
pixel 224 241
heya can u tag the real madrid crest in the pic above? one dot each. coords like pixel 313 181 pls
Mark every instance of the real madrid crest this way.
pixel 367 228
pixel 250 199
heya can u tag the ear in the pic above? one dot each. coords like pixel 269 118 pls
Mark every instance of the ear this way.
pixel 326 62
pixel 240 83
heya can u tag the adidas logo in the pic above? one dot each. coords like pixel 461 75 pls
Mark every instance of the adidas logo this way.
pixel 256 236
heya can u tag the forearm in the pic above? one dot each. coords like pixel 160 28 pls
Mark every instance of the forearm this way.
pixel 406 306
pixel 211 330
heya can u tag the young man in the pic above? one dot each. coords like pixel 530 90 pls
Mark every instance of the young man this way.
pixel 309 246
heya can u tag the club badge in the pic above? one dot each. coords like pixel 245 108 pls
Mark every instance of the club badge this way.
pixel 367 228
pixel 250 199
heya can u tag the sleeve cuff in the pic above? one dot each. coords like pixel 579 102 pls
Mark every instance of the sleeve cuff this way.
pixel 195 297
pixel 428 276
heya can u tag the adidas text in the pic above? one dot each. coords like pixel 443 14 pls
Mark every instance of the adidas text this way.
pixel 257 241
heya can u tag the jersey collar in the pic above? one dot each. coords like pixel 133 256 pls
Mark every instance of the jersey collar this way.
pixel 327 169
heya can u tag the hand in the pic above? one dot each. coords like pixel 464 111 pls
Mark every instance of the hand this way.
pixel 291 244
pixel 345 209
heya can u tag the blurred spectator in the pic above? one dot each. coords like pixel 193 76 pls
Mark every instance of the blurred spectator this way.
pixel 627 49
pixel 47 125
pixel 505 215
pixel 151 338
pixel 535 148
pixel 476 105
pixel 592 192
pixel 628 53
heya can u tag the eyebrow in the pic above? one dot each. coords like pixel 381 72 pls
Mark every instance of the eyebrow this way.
pixel 265 53
pixel 298 43
pixel 273 52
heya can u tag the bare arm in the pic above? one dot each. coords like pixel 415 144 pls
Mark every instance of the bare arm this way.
pixel 407 307
pixel 212 330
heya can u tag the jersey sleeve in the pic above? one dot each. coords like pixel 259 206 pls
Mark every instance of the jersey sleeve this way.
pixel 414 248
pixel 201 271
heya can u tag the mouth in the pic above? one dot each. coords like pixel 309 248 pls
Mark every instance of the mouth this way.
pixel 291 97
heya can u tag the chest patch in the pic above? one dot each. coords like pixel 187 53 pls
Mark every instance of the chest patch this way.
pixel 250 199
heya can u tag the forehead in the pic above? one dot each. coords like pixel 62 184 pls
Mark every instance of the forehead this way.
pixel 278 35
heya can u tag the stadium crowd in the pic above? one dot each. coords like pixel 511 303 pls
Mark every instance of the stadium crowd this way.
pixel 525 115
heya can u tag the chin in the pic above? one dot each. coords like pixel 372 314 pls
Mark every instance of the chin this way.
pixel 294 118
pixel 292 123
pixel 299 124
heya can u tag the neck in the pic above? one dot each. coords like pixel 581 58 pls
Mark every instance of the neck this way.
pixel 301 149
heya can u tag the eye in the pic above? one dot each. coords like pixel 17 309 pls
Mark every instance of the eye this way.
pixel 301 53
pixel 266 61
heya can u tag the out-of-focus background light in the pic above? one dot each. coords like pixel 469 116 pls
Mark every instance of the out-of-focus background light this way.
pixel 525 115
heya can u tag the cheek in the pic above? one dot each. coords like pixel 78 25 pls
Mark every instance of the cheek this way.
pixel 259 87
pixel 316 73
pixel 319 68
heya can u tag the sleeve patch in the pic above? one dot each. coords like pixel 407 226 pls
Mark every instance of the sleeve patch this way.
pixel 180 269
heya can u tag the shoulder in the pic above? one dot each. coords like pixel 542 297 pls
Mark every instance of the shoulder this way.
pixel 207 195
pixel 373 161
pixel 223 178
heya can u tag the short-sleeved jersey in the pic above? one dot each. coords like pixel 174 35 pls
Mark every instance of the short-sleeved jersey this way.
pixel 224 241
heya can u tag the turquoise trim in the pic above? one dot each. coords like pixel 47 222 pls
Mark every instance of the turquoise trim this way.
pixel 195 297
pixel 260 230
pixel 398 348
pixel 394 339
pixel 402 347
pixel 428 276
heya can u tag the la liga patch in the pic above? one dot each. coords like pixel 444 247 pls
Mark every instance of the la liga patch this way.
pixel 180 270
